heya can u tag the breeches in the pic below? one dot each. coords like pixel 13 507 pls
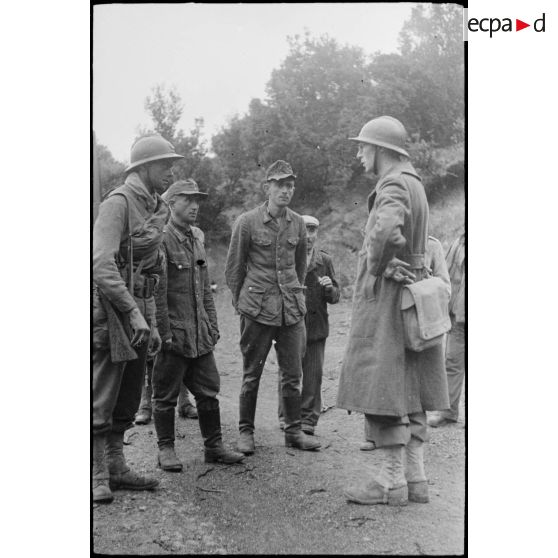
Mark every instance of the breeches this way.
pixel 200 375
pixel 390 431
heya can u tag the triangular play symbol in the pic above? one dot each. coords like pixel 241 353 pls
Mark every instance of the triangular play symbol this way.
pixel 519 25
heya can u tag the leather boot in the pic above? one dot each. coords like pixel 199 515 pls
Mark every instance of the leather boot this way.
pixel 247 412
pixel 387 485
pixel 100 473
pixel 143 416
pixel 185 407
pixel 414 472
pixel 121 477
pixel 294 437
pixel 210 427
pixel 164 426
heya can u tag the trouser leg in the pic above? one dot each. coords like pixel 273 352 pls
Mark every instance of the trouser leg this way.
pixel 290 344
pixel 147 391
pixel 387 430
pixel 168 373
pixel 107 377
pixel 202 379
pixel 455 367
pixel 312 373
pixel 255 342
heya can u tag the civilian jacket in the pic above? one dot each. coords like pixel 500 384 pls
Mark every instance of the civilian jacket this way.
pixel 266 266
pixel 317 324
pixel 185 307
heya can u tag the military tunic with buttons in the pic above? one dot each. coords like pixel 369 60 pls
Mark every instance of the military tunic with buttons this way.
pixel 266 266
pixel 187 317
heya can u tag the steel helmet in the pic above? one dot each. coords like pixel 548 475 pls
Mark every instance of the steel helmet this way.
pixel 151 148
pixel 384 131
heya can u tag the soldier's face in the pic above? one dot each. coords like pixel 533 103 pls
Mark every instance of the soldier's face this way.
pixel 160 175
pixel 185 209
pixel 311 236
pixel 280 192
pixel 366 154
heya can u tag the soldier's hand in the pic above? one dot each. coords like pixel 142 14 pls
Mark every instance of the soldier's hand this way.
pixel 326 282
pixel 167 344
pixel 397 270
pixel 140 329
pixel 154 342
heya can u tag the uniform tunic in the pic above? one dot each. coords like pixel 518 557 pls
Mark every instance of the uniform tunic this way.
pixel 117 386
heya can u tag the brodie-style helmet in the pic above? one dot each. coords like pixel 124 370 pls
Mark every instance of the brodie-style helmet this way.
pixel 384 131
pixel 151 148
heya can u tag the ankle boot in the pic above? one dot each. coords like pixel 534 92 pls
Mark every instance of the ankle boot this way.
pixel 185 407
pixel 164 426
pixel 100 473
pixel 210 427
pixel 414 472
pixel 121 477
pixel 143 416
pixel 246 412
pixel 294 437
pixel 386 485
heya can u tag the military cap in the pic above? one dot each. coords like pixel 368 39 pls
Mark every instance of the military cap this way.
pixel 183 187
pixel 310 221
pixel 279 170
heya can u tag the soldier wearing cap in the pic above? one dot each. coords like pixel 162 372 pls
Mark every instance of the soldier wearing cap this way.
pixel 391 385
pixel 265 270
pixel 188 325
pixel 321 288
pixel 126 261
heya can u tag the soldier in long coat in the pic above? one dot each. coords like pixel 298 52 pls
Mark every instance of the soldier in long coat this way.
pixel 392 386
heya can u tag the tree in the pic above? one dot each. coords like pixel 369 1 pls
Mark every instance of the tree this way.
pixel 111 171
pixel 165 108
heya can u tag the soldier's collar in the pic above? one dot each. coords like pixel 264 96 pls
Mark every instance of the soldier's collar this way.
pixel 267 217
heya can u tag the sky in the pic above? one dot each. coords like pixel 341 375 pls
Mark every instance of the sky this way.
pixel 218 56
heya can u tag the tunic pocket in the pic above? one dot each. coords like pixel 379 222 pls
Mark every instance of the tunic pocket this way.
pixel 250 300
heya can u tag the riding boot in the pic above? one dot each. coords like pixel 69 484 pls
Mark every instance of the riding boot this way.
pixel 210 427
pixel 100 476
pixel 121 476
pixel 247 413
pixel 294 437
pixel 164 426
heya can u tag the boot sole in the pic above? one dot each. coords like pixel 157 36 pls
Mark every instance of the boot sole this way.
pixel 151 486
pixel 396 497
pixel 225 461
pixel 296 446
pixel 171 468
pixel 103 499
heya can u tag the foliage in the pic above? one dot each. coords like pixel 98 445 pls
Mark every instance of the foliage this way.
pixel 111 171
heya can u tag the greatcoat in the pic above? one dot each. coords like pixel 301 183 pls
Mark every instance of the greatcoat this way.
pixel 379 376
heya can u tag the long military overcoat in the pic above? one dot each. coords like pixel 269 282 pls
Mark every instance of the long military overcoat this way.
pixel 379 376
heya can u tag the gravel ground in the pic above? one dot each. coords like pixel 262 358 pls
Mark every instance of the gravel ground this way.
pixel 280 500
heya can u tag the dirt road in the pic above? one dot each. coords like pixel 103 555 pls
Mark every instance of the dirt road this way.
pixel 281 500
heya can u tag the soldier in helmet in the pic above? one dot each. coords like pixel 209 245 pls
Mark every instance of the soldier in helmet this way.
pixel 265 270
pixel 126 261
pixel 391 385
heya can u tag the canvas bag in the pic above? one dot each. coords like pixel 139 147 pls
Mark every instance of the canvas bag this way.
pixel 424 308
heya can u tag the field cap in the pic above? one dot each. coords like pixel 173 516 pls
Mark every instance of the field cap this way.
pixel 279 170
pixel 183 187
pixel 310 221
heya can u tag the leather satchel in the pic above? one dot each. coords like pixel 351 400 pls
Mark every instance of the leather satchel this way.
pixel 424 308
